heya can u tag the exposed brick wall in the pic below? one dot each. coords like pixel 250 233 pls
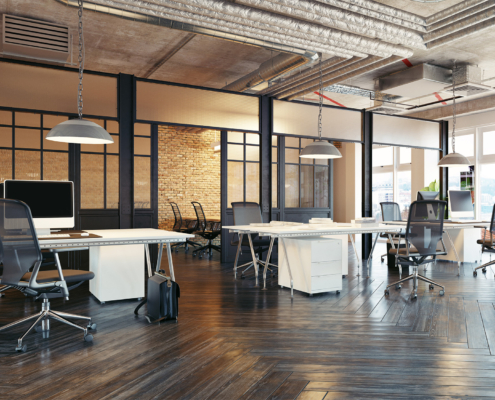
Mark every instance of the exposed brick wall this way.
pixel 188 170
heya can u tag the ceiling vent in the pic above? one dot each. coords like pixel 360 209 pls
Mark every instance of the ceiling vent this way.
pixel 389 109
pixel 30 38
pixel 468 81
pixel 418 81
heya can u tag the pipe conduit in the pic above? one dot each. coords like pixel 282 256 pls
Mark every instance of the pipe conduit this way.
pixel 460 34
pixel 458 16
pixel 451 11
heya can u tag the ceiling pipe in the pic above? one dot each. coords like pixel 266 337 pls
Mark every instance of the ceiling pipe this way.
pixel 233 28
pixel 461 34
pixel 313 84
pixel 310 76
pixel 451 11
pixel 270 69
pixel 349 72
pixel 242 15
pixel 302 74
pixel 461 24
pixel 458 16
pixel 372 8
pixel 339 19
pixel 167 23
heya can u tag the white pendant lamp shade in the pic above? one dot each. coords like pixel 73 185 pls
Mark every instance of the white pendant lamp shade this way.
pixel 79 131
pixel 454 160
pixel 216 147
pixel 320 150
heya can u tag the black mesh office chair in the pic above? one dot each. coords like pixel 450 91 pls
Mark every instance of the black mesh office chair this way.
pixel 208 230
pixel 22 259
pixel 487 244
pixel 390 212
pixel 423 234
pixel 246 213
pixel 184 227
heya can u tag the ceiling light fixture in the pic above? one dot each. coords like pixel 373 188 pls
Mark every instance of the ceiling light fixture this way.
pixel 80 130
pixel 320 149
pixel 454 159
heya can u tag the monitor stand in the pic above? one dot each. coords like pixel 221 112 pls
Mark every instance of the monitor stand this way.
pixel 45 231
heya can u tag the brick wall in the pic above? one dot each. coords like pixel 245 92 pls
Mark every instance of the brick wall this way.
pixel 188 170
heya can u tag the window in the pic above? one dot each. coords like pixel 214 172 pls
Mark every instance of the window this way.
pixel 142 166
pixel 243 167
pixel 100 171
pixel 306 180
pixel 485 185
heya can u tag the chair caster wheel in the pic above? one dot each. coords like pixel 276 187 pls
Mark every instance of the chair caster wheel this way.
pixel 475 273
pixel 194 254
pixel 432 287
pixel 441 293
pixel 484 270
pixel 398 287
pixel 414 296
pixel 387 292
pixel 337 291
pixel 88 338
pixel 21 349
pixel 92 326
pixel 243 277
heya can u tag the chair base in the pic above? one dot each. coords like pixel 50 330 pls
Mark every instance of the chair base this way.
pixel 44 317
pixel 207 249
pixel 482 267
pixel 415 277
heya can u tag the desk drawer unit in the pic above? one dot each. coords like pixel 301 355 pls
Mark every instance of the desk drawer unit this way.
pixel 315 262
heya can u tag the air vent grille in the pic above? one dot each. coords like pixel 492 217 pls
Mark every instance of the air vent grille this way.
pixel 31 38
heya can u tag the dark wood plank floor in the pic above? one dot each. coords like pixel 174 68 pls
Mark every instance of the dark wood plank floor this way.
pixel 235 341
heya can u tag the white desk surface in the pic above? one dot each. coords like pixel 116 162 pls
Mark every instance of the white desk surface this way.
pixel 447 225
pixel 282 231
pixel 110 237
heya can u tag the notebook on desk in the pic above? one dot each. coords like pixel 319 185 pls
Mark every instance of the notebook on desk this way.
pixel 68 235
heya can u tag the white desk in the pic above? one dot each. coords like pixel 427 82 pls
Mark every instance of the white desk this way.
pixel 282 232
pixel 117 259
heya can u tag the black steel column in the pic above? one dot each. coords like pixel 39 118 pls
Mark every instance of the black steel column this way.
pixel 154 174
pixel 444 172
pixel 126 160
pixel 266 158
pixel 223 194
pixel 367 171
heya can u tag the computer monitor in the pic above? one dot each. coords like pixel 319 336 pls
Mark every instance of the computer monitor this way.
pixel 461 204
pixel 426 195
pixel 51 202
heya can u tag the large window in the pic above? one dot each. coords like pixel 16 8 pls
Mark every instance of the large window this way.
pixel 243 167
pixel 306 180
pixel 486 168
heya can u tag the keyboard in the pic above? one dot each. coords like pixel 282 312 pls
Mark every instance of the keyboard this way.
pixel 465 221
pixel 54 235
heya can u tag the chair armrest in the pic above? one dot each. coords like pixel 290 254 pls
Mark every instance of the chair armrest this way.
pixel 66 249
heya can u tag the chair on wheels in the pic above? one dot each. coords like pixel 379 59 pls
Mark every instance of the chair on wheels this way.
pixel 184 227
pixel 246 213
pixel 423 233
pixel 487 244
pixel 208 230
pixel 22 259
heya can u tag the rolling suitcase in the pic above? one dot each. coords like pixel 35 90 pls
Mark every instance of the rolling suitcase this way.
pixel 162 300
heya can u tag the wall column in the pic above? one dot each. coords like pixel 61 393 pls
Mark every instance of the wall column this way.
pixel 266 158
pixel 367 175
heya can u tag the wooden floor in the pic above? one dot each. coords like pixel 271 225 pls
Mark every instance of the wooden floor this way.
pixel 234 341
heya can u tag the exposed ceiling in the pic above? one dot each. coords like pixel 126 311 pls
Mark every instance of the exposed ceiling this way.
pixel 378 37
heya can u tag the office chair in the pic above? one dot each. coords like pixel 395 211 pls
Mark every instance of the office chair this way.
pixel 207 230
pixel 246 213
pixel 487 245
pixel 183 227
pixel 21 253
pixel 423 233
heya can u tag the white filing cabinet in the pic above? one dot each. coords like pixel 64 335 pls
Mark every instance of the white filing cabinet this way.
pixel 315 263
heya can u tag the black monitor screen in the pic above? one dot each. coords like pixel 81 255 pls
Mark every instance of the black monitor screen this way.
pixel 46 199
pixel 427 195
pixel 460 201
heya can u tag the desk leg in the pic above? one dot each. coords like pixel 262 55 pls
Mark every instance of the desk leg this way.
pixel 160 253
pixel 253 254
pixel 237 255
pixel 282 241
pixel 148 259
pixel 268 255
pixel 372 249
pixel 355 252
pixel 455 252
pixel 170 262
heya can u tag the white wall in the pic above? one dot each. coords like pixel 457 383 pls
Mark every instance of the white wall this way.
pixel 424 169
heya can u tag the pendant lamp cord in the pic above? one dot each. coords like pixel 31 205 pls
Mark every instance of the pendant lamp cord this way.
pixel 453 108
pixel 80 60
pixel 321 101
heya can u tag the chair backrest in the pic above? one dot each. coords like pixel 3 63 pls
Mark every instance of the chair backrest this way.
pixel 492 222
pixel 177 216
pixel 200 215
pixel 246 213
pixel 19 245
pixel 390 211
pixel 425 225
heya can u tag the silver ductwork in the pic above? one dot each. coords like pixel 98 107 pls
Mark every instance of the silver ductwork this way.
pixel 460 15
pixel 268 70
pixel 343 20
pixel 452 11
pixel 461 34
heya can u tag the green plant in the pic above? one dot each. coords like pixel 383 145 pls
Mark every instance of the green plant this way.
pixel 432 187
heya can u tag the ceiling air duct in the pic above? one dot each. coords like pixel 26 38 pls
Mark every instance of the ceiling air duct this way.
pixel 468 81
pixel 31 38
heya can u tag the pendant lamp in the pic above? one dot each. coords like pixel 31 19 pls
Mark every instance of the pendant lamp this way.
pixel 80 130
pixel 454 159
pixel 320 149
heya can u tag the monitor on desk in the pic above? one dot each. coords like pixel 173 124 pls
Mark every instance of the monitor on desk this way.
pixel 427 195
pixel 461 204
pixel 51 202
